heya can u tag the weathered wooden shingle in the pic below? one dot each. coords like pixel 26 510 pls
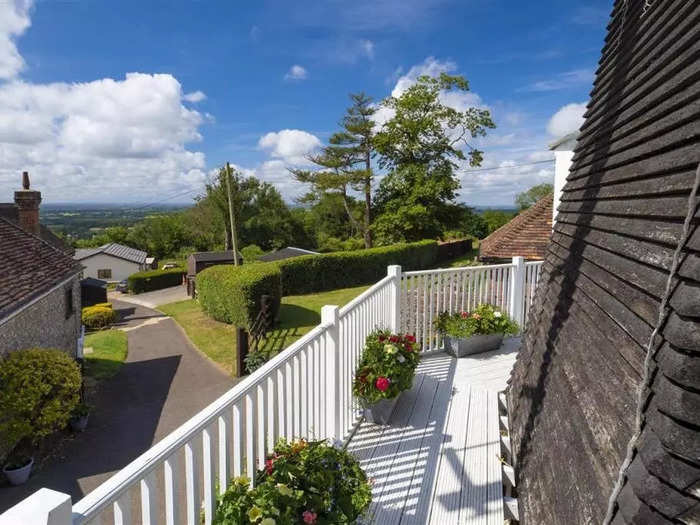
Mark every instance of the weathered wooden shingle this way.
pixel 573 390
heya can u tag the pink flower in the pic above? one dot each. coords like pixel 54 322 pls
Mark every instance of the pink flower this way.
pixel 269 466
pixel 382 383
pixel 309 516
pixel 476 316
pixel 464 315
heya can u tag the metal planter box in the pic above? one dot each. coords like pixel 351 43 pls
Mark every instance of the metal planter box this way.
pixel 462 346
pixel 380 412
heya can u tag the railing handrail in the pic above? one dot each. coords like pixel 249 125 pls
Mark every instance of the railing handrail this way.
pixel 107 492
pixel 456 269
pixel 533 263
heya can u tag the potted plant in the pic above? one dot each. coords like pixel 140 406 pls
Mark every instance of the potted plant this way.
pixel 79 417
pixel 17 468
pixel 307 482
pixel 386 369
pixel 481 330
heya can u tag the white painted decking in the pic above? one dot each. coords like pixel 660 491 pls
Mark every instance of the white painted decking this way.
pixel 438 459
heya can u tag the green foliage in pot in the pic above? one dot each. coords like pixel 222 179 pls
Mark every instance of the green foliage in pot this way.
pixel 81 410
pixel 485 319
pixel 387 367
pixel 39 389
pixel 303 482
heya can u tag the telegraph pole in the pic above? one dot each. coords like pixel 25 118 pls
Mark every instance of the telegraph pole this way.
pixel 231 216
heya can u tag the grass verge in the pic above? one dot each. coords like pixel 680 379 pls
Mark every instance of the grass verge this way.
pixel 109 349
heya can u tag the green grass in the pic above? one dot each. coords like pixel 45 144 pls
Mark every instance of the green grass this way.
pixel 109 349
pixel 298 315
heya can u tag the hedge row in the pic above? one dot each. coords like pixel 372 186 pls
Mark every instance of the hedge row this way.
pixel 232 294
pixel 96 317
pixel 155 279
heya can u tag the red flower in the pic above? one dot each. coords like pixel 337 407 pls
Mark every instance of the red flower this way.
pixel 394 338
pixel 464 315
pixel 382 383
pixel 411 338
pixel 309 516
pixel 269 466
pixel 382 338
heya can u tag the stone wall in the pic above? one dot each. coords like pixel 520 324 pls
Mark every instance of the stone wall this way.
pixel 44 323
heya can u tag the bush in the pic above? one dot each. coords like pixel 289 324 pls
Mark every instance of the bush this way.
pixel 96 317
pixel 330 271
pixel 484 320
pixel 302 482
pixel 39 389
pixel 231 294
pixel 386 368
pixel 155 280
pixel 103 305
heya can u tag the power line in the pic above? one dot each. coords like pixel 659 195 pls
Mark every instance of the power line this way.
pixel 506 167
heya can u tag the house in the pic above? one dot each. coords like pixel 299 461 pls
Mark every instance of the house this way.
pixel 111 262
pixel 526 235
pixel 39 290
pixel 285 253
pixel 199 261
pixel 25 212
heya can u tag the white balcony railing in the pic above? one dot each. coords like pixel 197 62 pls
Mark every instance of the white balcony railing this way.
pixel 305 391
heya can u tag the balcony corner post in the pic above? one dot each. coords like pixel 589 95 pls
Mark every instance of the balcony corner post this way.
pixel 517 291
pixel 329 318
pixel 45 507
pixel 394 271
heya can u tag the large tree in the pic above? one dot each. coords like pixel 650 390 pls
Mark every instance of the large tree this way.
pixel 529 197
pixel 421 146
pixel 346 163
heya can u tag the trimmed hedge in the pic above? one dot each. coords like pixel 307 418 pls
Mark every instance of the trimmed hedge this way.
pixel 232 294
pixel 96 317
pixel 155 279
pixel 330 271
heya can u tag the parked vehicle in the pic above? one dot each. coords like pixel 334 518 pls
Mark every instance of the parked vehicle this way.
pixel 123 286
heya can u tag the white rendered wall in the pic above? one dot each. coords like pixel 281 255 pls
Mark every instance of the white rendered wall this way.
pixel 121 268
pixel 562 163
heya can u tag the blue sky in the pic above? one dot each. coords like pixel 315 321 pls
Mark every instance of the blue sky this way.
pixel 263 85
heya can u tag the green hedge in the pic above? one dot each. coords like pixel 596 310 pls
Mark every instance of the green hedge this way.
pixel 232 294
pixel 155 279
pixel 330 271
pixel 96 317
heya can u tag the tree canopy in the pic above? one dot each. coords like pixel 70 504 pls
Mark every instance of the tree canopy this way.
pixel 529 197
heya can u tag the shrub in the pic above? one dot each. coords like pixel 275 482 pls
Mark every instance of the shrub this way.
pixel 39 389
pixel 232 294
pixel 155 279
pixel 103 305
pixel 485 319
pixel 386 368
pixel 96 317
pixel 302 482
pixel 251 253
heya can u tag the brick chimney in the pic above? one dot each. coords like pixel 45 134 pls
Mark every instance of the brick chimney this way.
pixel 27 202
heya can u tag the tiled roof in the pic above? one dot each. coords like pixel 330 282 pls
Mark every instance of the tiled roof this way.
pixel 214 256
pixel 285 253
pixel 114 249
pixel 527 235
pixel 29 266
pixel 9 211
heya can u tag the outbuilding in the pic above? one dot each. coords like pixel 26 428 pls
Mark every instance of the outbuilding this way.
pixel 111 262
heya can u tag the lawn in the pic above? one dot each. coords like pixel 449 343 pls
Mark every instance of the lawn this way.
pixel 109 349
pixel 298 315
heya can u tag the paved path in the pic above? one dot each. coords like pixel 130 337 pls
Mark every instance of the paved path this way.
pixel 163 383
pixel 152 299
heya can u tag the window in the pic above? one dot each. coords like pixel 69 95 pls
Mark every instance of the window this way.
pixel 69 302
pixel 104 274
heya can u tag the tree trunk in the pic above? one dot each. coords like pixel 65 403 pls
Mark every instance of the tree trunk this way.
pixel 353 223
pixel 368 201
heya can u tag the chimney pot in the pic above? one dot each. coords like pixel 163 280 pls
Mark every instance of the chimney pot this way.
pixel 27 202
pixel 25 180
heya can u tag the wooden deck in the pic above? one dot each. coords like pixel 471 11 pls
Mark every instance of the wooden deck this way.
pixel 438 460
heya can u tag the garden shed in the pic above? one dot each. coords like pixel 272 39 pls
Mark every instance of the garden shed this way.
pixel 617 309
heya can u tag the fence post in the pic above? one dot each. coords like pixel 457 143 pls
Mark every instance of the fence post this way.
pixel 329 318
pixel 517 290
pixel 394 271
pixel 44 507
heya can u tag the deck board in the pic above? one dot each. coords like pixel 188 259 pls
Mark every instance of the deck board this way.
pixel 438 460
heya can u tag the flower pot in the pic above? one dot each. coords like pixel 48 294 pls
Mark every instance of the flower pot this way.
pixel 381 411
pixel 20 475
pixel 78 424
pixel 463 346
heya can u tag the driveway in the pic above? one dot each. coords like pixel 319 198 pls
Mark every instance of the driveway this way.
pixel 163 383
pixel 152 299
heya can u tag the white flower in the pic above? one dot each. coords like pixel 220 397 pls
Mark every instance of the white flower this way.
pixel 497 314
pixel 400 358
pixel 390 349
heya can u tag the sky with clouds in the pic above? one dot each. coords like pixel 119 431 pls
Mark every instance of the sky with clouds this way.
pixel 140 102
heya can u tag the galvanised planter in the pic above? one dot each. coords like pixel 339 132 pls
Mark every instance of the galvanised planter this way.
pixel 381 411
pixel 476 344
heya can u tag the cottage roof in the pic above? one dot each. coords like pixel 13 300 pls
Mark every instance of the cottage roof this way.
pixel 114 249
pixel 526 235
pixel 9 211
pixel 285 253
pixel 29 266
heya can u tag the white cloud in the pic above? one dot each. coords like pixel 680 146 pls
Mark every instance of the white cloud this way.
pixel 368 48
pixel 194 96
pixel 567 79
pixel 14 21
pixel 296 72
pixel 568 119
pixel 290 145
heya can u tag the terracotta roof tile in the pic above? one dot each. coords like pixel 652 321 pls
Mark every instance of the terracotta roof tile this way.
pixel 526 235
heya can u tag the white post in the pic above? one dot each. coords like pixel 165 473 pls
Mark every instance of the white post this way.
pixel 329 318
pixel 44 507
pixel 517 290
pixel 394 271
